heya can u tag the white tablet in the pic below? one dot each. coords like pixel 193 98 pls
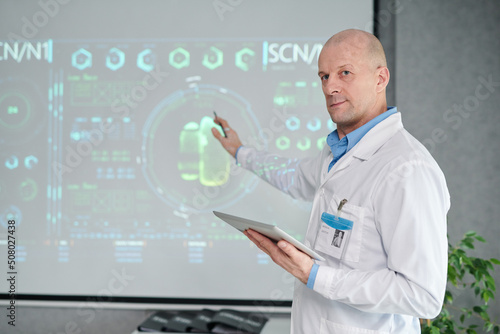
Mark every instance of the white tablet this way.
pixel 271 231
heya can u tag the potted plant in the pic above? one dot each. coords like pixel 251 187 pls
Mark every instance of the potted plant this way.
pixel 466 274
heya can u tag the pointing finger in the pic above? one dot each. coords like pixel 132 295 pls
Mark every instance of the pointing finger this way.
pixel 216 134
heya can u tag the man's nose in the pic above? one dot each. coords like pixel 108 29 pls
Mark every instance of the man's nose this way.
pixel 332 87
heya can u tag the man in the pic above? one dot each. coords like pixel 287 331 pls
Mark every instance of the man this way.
pixel 391 269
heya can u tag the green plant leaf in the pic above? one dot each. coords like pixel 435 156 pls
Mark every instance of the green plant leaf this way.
pixel 448 299
pixel 479 238
pixel 490 283
pixel 490 265
pixel 470 233
pixel 477 309
pixel 468 244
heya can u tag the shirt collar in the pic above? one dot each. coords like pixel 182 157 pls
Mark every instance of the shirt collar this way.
pixel 352 138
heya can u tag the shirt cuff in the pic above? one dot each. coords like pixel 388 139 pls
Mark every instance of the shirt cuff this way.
pixel 312 276
pixel 236 154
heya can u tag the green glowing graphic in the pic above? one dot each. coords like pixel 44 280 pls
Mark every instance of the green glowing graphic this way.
pixel 214 163
pixel 240 58
pixel 15 110
pixel 201 158
pixel 190 147
pixel 179 58
pixel 297 94
pixel 92 93
pixel 320 143
pixel 283 143
pixel 197 176
pixel 304 144
pixel 213 59
pixel 28 190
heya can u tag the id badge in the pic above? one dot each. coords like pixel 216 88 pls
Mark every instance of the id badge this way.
pixel 333 235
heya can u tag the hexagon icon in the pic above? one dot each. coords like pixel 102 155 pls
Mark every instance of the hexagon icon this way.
pixel 213 59
pixel 179 58
pixel 293 123
pixel 304 144
pixel 314 124
pixel 283 143
pixel 146 60
pixel 115 59
pixel 12 162
pixel 81 59
pixel 241 58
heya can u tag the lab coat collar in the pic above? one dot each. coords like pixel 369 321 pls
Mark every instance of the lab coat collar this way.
pixel 369 144
pixel 377 136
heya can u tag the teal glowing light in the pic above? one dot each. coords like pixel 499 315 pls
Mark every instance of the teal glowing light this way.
pixel 115 59
pixel 81 59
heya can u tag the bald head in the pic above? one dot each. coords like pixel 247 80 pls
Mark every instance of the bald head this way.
pixel 368 44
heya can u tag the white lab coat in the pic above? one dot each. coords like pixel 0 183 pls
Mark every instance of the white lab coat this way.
pixel 394 269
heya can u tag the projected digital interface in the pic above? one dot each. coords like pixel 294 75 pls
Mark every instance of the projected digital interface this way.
pixel 108 156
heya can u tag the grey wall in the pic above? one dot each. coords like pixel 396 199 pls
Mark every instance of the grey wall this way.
pixel 444 53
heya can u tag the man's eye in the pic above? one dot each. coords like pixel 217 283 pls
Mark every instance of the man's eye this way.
pixel 344 73
pixel 324 77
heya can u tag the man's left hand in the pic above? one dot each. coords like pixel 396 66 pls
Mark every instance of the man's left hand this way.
pixel 284 254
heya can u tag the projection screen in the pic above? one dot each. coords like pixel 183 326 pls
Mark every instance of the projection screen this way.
pixel 109 171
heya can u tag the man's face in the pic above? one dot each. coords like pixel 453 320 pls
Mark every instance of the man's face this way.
pixel 349 84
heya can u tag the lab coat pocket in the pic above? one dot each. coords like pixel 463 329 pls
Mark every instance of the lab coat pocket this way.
pixel 337 243
pixel 330 327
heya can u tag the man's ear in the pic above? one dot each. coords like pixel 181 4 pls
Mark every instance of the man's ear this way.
pixel 383 77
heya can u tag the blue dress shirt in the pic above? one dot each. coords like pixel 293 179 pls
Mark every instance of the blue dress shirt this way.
pixel 339 147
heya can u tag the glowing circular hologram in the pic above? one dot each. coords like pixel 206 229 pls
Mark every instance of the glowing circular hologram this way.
pixel 293 123
pixel 183 164
pixel 20 112
pixel 314 124
pixel 283 143
pixel 15 110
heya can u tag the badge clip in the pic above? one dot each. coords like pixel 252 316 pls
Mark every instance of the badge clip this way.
pixel 335 221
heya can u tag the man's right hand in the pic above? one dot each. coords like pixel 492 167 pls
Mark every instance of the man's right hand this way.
pixel 232 142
